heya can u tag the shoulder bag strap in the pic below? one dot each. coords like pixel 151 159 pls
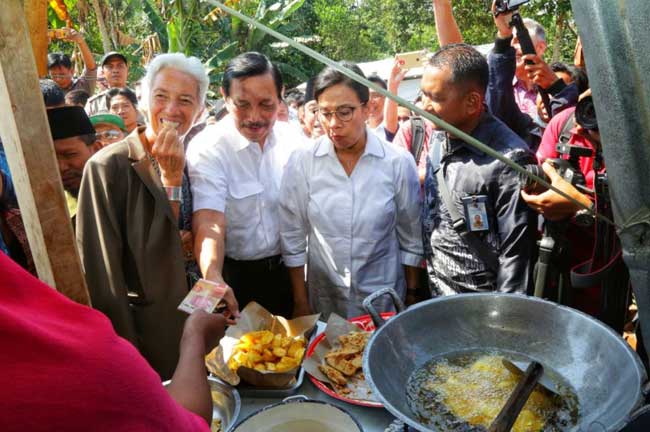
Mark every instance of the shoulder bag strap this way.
pixel 460 226
pixel 417 140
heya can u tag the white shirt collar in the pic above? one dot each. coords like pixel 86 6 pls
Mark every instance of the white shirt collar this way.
pixel 241 142
pixel 373 146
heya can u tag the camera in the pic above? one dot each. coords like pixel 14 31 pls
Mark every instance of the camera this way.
pixel 586 114
pixel 505 6
pixel 568 169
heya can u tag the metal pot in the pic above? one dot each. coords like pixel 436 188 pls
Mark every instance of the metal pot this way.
pixel 226 402
pixel 603 370
pixel 299 413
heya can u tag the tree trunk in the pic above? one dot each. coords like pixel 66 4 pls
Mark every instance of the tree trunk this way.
pixel 560 25
pixel 106 39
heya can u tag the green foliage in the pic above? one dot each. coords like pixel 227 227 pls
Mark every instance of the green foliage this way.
pixel 156 21
pixel 371 30
pixel 344 32
pixel 356 30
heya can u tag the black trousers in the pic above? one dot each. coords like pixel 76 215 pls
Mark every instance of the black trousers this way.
pixel 265 281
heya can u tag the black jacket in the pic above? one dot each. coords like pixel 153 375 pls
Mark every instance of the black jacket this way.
pixel 453 266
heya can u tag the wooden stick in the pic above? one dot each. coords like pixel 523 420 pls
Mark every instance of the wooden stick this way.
pixel 518 398
pixel 27 140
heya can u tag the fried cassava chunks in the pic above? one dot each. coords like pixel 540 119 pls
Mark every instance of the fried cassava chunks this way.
pixel 265 351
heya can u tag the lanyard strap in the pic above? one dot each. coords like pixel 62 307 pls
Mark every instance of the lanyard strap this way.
pixel 478 246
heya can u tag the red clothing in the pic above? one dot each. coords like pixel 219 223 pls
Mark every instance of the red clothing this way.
pixel 405 136
pixel 581 239
pixel 65 369
pixel 551 137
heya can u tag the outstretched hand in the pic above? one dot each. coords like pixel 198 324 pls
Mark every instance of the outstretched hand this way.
pixel 397 74
pixel 504 31
pixel 204 326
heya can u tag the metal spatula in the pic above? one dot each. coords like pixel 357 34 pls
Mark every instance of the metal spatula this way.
pixel 519 368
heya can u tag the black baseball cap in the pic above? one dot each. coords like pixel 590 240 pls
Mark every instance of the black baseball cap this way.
pixel 111 55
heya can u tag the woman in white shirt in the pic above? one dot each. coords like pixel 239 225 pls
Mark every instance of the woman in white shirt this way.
pixel 349 208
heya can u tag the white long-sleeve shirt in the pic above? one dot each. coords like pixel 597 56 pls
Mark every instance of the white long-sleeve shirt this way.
pixel 360 229
pixel 232 175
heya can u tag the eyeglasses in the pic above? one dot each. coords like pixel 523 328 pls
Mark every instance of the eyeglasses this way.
pixel 59 76
pixel 110 134
pixel 343 113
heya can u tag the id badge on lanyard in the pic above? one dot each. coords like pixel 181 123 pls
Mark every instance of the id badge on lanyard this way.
pixel 476 216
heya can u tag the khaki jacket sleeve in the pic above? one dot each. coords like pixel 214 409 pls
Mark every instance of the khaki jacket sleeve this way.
pixel 100 242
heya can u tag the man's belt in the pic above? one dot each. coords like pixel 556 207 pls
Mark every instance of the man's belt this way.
pixel 269 263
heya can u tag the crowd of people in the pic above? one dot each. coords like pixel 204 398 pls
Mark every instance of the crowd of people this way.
pixel 304 202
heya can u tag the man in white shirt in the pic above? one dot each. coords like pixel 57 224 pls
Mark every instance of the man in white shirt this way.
pixel 235 169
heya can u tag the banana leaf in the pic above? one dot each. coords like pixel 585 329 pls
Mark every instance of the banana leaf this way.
pixel 157 23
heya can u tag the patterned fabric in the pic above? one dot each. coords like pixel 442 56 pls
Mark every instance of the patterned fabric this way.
pixel 185 223
pixel 14 222
pixel 452 265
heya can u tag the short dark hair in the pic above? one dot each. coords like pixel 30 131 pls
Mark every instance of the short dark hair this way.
pixel 578 75
pixel 294 95
pixel 374 78
pixel 329 77
pixel 52 93
pixel 467 65
pixel 561 67
pixel 77 97
pixel 58 59
pixel 309 90
pixel 251 64
pixel 121 91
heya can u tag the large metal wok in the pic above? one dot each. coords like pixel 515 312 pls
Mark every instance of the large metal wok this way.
pixel 604 371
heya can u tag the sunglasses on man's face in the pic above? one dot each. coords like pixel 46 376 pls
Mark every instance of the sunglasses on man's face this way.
pixel 110 134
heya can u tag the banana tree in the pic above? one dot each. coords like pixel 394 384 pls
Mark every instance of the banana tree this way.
pixel 273 16
pixel 176 22
pixel 238 37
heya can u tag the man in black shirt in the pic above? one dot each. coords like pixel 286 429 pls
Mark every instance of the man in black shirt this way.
pixel 462 185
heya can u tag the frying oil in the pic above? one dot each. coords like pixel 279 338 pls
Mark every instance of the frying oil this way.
pixel 465 393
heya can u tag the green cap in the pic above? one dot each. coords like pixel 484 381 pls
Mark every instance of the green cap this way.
pixel 109 119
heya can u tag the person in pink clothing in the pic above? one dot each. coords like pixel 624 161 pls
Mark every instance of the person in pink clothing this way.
pixel 65 369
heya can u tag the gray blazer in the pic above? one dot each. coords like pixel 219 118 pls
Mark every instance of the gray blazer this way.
pixel 130 247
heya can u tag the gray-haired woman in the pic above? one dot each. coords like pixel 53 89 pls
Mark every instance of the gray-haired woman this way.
pixel 129 207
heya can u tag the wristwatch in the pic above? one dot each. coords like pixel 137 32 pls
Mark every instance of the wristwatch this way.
pixel 174 193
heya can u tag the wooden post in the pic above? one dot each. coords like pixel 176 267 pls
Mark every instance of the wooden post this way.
pixel 28 143
pixel 36 15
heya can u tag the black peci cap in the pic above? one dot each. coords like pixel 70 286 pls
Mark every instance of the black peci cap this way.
pixel 68 122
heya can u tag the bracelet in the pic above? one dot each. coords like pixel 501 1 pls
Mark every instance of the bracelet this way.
pixel 174 193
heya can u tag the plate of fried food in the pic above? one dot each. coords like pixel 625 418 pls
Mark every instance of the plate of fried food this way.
pixel 262 351
pixel 334 359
